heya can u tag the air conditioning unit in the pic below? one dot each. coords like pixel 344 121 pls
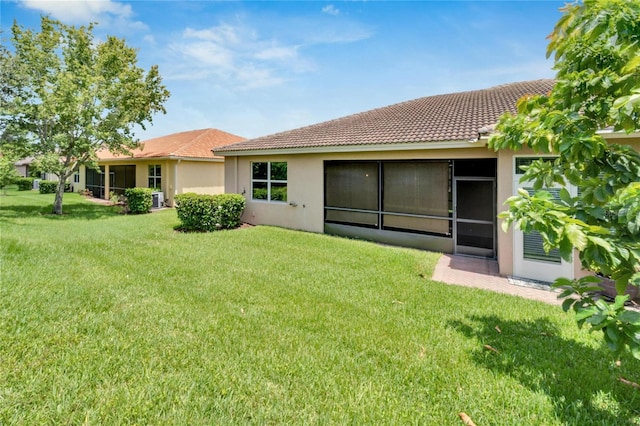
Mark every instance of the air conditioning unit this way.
pixel 36 184
pixel 158 200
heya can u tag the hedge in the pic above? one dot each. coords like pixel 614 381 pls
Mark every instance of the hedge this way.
pixel 24 184
pixel 199 212
pixel 48 187
pixel 139 200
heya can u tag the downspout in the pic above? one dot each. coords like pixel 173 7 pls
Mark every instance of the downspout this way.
pixel 175 180
pixel 107 183
pixel 235 174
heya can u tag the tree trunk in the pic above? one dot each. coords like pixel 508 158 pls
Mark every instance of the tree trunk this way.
pixel 57 204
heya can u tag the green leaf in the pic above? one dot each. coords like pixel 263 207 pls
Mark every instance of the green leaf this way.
pixel 576 236
pixel 632 317
pixel 597 58
pixel 567 303
pixel 584 313
pixel 602 305
pixel 613 333
pixel 566 197
pixel 635 350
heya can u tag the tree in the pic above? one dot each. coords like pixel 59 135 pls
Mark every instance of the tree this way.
pixel 8 172
pixel 65 96
pixel 596 47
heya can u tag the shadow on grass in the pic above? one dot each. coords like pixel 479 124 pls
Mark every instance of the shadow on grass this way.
pixel 575 377
pixel 72 210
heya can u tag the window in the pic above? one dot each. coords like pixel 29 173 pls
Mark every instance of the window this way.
pixel 121 178
pixel 410 196
pixel 269 181
pixel 155 176
pixel 351 193
pixel 76 177
pixel 523 162
pixel 94 179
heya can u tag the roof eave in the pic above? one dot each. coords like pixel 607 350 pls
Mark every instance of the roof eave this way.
pixel 407 146
pixel 611 134
pixel 159 158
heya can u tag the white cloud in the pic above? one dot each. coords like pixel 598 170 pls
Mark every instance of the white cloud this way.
pixel 223 33
pixel 149 38
pixel 239 56
pixel 233 56
pixel 108 13
pixel 277 53
pixel 331 10
pixel 207 53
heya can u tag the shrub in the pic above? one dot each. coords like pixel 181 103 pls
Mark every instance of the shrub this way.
pixel 277 193
pixel 48 186
pixel 24 184
pixel 139 200
pixel 198 212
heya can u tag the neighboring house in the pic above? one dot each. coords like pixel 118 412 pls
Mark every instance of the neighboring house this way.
pixel 415 174
pixel 22 166
pixel 172 164
pixel 24 169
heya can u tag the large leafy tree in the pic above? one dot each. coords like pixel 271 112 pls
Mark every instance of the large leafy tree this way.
pixel 65 95
pixel 8 172
pixel 596 46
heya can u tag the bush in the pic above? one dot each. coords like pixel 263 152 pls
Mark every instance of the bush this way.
pixel 139 200
pixel 48 186
pixel 198 212
pixel 24 184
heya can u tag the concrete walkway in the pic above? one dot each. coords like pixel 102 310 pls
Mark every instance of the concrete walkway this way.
pixel 483 273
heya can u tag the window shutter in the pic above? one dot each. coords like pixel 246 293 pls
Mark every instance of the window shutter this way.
pixel 532 242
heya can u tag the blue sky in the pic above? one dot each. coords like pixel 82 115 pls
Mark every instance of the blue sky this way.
pixel 256 68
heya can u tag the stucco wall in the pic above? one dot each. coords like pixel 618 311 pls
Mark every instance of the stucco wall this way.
pixel 199 177
pixel 305 183
pixel 178 176
pixel 504 189
pixel 23 170
pixel 304 207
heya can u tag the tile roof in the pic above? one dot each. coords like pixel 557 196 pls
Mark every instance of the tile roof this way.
pixel 450 117
pixel 190 144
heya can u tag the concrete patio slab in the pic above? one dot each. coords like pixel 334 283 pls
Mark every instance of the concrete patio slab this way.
pixel 483 273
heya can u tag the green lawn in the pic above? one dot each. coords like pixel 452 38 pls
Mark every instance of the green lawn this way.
pixel 112 319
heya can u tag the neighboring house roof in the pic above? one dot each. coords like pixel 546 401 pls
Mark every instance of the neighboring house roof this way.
pixel 190 144
pixel 440 118
pixel 25 161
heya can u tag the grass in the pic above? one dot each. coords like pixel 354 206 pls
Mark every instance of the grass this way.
pixel 111 319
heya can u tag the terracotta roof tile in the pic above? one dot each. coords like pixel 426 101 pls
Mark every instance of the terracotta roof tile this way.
pixel 190 144
pixel 450 117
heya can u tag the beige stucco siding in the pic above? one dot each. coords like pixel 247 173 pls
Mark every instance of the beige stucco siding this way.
pixel 199 177
pixel 82 180
pixel 177 176
pixel 23 170
pixel 304 209
pixel 504 189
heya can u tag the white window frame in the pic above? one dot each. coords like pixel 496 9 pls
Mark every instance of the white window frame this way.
pixel 537 269
pixel 269 181
pixel 156 179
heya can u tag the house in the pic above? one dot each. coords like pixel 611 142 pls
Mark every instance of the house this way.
pixel 172 164
pixel 23 166
pixel 415 174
